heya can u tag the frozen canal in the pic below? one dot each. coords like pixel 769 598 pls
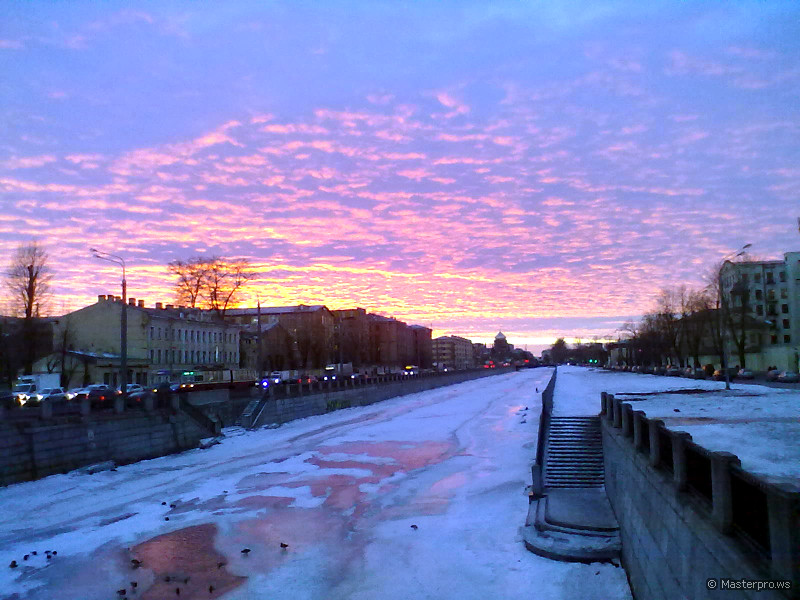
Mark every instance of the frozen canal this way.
pixel 420 496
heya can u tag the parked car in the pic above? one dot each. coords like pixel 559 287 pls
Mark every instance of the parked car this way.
pixel 745 374
pixel 719 374
pixel 136 398
pixel 673 371
pixel 134 387
pixel 789 377
pixel 773 375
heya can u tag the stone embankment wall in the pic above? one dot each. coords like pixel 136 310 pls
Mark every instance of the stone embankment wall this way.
pixel 277 409
pixel 35 449
pixel 690 518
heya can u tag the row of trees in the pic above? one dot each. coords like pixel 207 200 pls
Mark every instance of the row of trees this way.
pixel 210 282
pixel 689 323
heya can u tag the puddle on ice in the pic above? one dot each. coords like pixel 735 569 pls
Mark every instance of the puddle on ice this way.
pixel 185 560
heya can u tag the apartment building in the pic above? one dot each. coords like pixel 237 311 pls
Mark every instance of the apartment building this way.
pixel 163 342
pixel 452 351
pixel 769 293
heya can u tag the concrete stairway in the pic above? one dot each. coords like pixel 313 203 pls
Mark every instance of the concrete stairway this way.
pixel 572 520
pixel 574 453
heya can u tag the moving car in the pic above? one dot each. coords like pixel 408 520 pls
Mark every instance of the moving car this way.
pixel 47 394
pixel 789 377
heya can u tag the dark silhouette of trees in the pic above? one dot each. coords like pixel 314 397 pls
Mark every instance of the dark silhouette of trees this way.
pixel 210 282
pixel 28 283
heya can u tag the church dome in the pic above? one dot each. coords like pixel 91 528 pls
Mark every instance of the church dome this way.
pixel 499 336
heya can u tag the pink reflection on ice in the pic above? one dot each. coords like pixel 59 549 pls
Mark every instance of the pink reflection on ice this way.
pixel 185 560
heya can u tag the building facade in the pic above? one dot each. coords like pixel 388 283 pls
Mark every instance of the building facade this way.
pixel 766 294
pixel 163 342
pixel 452 352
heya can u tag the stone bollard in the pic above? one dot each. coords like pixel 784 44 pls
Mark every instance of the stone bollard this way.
pixel 655 446
pixel 627 420
pixel 175 401
pixel 603 396
pixel 722 509
pixel 638 429
pixel 47 410
pixel 617 413
pixel 679 470
pixel 149 403
pixel 271 390
pixel 783 502
pixel 300 388
pixel 610 408
pixel 119 405
pixel 86 407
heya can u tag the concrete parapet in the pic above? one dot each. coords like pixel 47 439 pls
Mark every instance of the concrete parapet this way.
pixel 673 540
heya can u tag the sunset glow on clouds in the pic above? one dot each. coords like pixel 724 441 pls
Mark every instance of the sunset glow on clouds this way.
pixel 541 171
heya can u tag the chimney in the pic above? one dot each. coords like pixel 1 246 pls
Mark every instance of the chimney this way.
pixel 132 301
pixel 170 306
pixel 141 303
pixel 159 305
pixel 118 298
pixel 101 298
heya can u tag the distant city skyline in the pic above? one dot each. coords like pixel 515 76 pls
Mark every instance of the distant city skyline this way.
pixel 540 170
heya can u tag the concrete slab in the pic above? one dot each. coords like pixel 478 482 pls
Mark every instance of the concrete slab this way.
pixel 580 509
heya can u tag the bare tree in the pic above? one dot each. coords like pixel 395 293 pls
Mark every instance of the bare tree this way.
pixel 28 282
pixel 210 282
pixel 667 320
pixel 191 278
pixel 224 282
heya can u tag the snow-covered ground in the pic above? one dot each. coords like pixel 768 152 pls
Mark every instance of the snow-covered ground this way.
pixel 761 425
pixel 421 496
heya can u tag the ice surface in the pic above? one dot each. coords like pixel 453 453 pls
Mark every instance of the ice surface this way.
pixel 341 490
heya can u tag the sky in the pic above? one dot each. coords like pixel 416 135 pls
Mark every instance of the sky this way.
pixel 542 169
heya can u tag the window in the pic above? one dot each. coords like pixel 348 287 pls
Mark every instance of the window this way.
pixel 757 277
pixel 152 355
pixel 782 276
pixel 786 323
pixel 785 309
pixel 158 356
pixel 770 278
pixel 787 339
pixel 759 295
pixel 185 335
pixel 784 293
pixel 759 310
pixel 152 333
pixel 774 339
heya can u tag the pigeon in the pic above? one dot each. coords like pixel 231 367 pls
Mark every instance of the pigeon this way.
pixel 163 504
pixel 246 551
pixel 220 565
pixel 135 564
pixel 676 410
pixel 122 592
pixel 13 564
pixel 172 506
pixel 211 589
pixel 25 557
pixel 284 545
pixel 134 584
pixel 177 591
pixel 54 553
pixel 34 552
pixel 166 518
pixel 414 527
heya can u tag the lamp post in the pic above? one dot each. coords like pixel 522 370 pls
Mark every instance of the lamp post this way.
pixel 123 335
pixel 725 259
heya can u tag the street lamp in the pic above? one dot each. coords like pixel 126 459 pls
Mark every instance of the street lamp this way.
pixel 123 335
pixel 725 259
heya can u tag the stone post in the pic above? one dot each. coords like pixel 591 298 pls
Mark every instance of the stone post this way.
pixel 149 403
pixel 47 410
pixel 86 407
pixel 783 504
pixel 119 405
pixel 603 396
pixel 271 390
pixel 175 401
pixel 722 510
pixel 300 388
pixel 617 413
pixel 610 408
pixel 638 429
pixel 655 446
pixel 679 471
pixel 627 420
